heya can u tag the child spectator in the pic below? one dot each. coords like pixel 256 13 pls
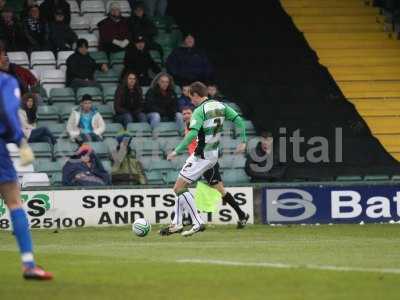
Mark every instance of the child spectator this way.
pixel 184 100
pixel 128 101
pixel 28 118
pixel 84 169
pixel 85 123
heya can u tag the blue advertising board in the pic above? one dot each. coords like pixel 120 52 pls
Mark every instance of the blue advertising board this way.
pixel 329 204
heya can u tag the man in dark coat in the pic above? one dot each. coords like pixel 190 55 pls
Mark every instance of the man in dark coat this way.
pixel 138 60
pixel 49 7
pixel 61 36
pixel 11 31
pixel 188 64
pixel 81 67
pixel 36 30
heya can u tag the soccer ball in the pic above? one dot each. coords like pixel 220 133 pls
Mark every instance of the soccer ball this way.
pixel 141 227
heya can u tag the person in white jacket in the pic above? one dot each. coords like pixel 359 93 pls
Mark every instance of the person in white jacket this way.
pixel 28 117
pixel 85 123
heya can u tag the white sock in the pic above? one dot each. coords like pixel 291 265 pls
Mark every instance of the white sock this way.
pixel 190 206
pixel 178 210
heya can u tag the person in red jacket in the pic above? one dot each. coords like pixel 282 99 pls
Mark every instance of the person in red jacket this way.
pixel 187 115
pixel 114 31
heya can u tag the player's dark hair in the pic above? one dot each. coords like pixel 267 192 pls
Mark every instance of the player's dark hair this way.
pixel 198 88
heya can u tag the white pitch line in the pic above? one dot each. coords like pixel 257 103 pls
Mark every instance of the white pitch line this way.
pixel 288 266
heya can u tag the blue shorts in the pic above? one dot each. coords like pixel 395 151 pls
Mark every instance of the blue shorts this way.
pixel 7 170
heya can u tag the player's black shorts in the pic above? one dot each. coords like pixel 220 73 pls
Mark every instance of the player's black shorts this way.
pixel 212 176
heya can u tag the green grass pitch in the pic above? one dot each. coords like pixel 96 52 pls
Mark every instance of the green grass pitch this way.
pixel 259 262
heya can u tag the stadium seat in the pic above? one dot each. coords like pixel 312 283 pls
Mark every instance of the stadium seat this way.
pixel 232 162
pixel 348 178
pixel 155 55
pixel 146 147
pixel 99 56
pixel 145 89
pixel 65 148
pixel 100 148
pixel 52 79
pixel 124 5
pixel 171 176
pixel 65 110
pixel 165 23
pixel 34 180
pixel 109 92
pixel 43 60
pixel 154 177
pixel 92 39
pixel 48 113
pixel 56 179
pixel 80 24
pixel 47 166
pixel 107 165
pixel 156 163
pixel 19 58
pixel 96 93
pixel 141 129
pixel 376 177
pixel 112 129
pixel 117 58
pixel 93 7
pixel 232 176
pixel 41 150
pixel 106 111
pixel 74 7
pixel 169 143
pixel 179 161
pixel 94 21
pixel 111 76
pixel 228 145
pixel 62 95
pixel 59 130
pixel 62 57
pixel 166 129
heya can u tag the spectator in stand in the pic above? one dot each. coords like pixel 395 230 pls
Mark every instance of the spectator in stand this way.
pixel 81 67
pixel 11 31
pixel 126 169
pixel 262 162
pixel 128 101
pixel 26 80
pixel 187 116
pixel 114 31
pixel 61 36
pixel 35 30
pixel 25 8
pixel 214 93
pixel 156 7
pixel 188 64
pixel 184 100
pixel 85 169
pixel 2 5
pixel 138 60
pixel 28 118
pixel 85 123
pixel 161 102
pixel 141 25
pixel 48 9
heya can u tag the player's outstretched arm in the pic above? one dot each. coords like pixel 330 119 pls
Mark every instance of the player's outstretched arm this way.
pixel 233 116
pixel 192 134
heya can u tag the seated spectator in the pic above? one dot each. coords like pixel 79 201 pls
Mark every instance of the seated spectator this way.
pixel 187 116
pixel 138 60
pixel 11 31
pixel 128 101
pixel 114 31
pixel 48 9
pixel 188 64
pixel 156 7
pixel 26 80
pixel 184 100
pixel 214 93
pixel 25 8
pixel 61 36
pixel 85 123
pixel 262 162
pixel 35 30
pixel 28 117
pixel 126 168
pixel 84 169
pixel 141 25
pixel 81 67
pixel 161 102
pixel 2 5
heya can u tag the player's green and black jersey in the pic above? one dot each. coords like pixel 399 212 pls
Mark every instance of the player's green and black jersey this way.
pixel 208 119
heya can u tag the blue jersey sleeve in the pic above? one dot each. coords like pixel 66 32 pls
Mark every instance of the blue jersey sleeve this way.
pixel 10 126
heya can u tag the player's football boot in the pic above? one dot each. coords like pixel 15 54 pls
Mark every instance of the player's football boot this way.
pixel 171 229
pixel 242 222
pixel 193 230
pixel 36 273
